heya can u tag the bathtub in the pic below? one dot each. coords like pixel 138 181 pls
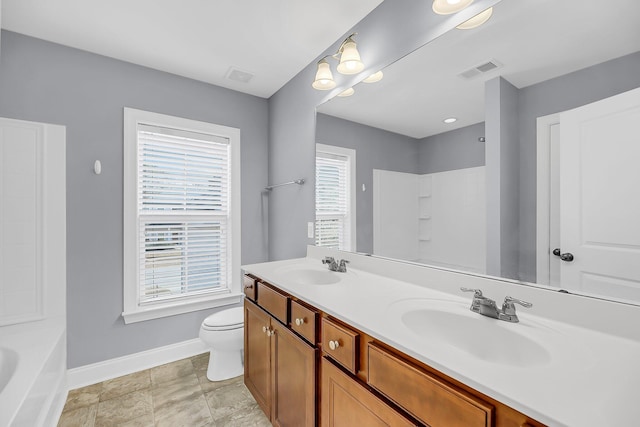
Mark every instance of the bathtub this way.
pixel 32 373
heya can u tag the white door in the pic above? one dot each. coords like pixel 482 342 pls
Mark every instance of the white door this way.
pixel 600 197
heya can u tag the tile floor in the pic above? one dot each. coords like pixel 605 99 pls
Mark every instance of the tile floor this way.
pixel 175 394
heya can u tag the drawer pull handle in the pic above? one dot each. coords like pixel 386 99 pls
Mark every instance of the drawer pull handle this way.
pixel 333 345
pixel 248 286
pixel 299 321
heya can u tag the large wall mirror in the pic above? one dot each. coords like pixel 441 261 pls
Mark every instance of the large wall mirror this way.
pixel 486 193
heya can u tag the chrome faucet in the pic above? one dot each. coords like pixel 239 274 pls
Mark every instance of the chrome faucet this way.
pixel 487 307
pixel 340 267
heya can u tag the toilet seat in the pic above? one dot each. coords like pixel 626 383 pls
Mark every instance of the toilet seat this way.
pixel 225 320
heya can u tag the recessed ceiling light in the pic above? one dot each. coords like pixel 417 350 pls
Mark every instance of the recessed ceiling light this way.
pixel 450 120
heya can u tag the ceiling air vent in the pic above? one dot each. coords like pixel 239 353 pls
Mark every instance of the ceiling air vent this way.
pixel 482 68
pixel 239 75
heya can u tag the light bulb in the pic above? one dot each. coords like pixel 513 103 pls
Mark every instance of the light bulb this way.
pixel 350 62
pixel 324 77
pixel 449 120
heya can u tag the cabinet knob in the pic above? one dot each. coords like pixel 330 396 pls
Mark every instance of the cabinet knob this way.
pixel 333 345
pixel 271 332
pixel 299 321
pixel 264 329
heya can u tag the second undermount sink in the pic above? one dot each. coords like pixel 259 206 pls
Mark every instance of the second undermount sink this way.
pixel 307 275
pixel 484 338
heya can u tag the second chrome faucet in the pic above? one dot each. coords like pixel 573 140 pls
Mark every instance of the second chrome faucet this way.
pixel 340 267
pixel 487 307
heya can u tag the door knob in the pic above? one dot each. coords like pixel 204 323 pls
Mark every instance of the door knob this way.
pixel 567 256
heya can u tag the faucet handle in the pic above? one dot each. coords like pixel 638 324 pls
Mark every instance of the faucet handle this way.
pixel 508 305
pixel 476 292
pixel 328 260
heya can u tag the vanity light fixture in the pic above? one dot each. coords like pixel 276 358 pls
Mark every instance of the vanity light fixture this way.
pixel 449 120
pixel 375 77
pixel 349 63
pixel 347 92
pixel 324 77
pixel 447 7
pixel 477 20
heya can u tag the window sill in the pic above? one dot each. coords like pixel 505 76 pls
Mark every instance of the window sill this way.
pixel 181 307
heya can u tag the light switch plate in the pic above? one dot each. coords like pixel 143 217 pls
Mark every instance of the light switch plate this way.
pixel 310 233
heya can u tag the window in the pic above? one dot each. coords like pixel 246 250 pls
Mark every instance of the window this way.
pixel 181 215
pixel 335 197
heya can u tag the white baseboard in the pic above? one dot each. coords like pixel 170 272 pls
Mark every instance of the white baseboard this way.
pixel 113 368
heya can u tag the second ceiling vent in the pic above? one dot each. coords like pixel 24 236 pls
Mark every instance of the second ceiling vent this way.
pixel 479 69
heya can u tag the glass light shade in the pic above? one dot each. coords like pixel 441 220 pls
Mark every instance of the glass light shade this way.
pixel 447 7
pixel 324 77
pixel 477 20
pixel 347 92
pixel 375 77
pixel 350 62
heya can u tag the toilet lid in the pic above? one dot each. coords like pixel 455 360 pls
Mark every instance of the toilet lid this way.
pixel 228 318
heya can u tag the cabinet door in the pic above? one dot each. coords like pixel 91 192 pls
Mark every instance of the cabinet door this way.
pixel 257 372
pixel 294 379
pixel 345 402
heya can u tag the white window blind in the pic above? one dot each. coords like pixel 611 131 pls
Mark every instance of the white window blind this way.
pixel 333 213
pixel 183 213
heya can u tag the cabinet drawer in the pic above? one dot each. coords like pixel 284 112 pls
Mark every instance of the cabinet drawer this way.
pixel 249 285
pixel 274 302
pixel 341 344
pixel 304 321
pixel 425 396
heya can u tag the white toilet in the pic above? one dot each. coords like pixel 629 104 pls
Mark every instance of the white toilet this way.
pixel 223 333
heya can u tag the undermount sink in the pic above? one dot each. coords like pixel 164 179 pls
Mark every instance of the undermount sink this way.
pixel 306 275
pixel 484 338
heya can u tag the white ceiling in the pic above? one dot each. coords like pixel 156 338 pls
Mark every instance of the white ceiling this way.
pixel 202 40
pixel 535 40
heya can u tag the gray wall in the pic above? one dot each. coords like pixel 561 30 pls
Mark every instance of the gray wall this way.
pixel 45 82
pixel 456 149
pixel 501 154
pixel 375 149
pixel 394 29
pixel 553 96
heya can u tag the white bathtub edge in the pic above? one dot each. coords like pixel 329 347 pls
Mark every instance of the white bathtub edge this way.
pixel 108 369
pixel 57 404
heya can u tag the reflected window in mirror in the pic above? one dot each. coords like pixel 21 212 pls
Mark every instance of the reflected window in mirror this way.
pixel 335 197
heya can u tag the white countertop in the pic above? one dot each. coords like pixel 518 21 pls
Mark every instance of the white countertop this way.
pixel 590 378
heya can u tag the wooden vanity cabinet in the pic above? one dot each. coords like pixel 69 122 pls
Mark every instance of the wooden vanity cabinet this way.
pixel 257 355
pixel 425 396
pixel 362 382
pixel 280 367
pixel 250 287
pixel 346 402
